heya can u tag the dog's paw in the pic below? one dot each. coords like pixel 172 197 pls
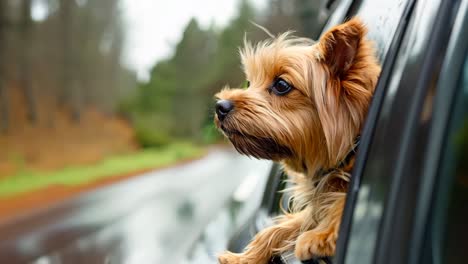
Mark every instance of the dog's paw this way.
pixel 228 258
pixel 233 258
pixel 312 244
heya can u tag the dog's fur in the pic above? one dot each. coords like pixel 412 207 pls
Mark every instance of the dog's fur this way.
pixel 310 130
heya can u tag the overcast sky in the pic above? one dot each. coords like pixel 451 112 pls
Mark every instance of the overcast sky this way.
pixel 155 26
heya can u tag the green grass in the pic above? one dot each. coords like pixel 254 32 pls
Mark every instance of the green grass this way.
pixel 29 180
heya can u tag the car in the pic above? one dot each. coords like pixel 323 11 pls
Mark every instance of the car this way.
pixel 409 190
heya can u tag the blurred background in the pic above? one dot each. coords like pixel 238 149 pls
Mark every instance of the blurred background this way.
pixel 92 91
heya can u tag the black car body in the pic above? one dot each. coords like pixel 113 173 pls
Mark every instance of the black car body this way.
pixel 407 201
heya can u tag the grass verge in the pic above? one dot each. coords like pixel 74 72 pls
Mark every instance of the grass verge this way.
pixel 29 180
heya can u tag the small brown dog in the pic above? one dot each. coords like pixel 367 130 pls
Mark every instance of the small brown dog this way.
pixel 304 107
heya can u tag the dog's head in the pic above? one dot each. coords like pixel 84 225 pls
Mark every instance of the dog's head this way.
pixel 305 101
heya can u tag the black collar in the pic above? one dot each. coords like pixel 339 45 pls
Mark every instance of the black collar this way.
pixel 346 160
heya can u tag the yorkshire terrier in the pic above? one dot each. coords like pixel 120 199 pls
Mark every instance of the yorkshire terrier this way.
pixel 304 107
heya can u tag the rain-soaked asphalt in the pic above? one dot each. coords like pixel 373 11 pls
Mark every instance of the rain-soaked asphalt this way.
pixel 176 205
pixel 190 196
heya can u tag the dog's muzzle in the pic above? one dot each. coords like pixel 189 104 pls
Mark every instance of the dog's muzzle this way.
pixel 223 108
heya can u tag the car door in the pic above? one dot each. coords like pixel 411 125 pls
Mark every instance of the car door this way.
pixel 394 181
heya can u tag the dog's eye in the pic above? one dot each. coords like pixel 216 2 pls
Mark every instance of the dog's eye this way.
pixel 281 87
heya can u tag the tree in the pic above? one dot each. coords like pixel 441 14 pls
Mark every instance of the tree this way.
pixel 310 21
pixel 176 96
pixel 70 89
pixel 227 59
pixel 25 60
pixel 281 18
pixel 192 59
pixel 3 91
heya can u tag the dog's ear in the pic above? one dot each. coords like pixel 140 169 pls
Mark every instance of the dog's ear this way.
pixel 338 46
pixel 342 103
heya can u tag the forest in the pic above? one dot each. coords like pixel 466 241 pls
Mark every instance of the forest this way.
pixel 67 99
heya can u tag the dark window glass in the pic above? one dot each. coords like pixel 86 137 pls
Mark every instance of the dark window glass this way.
pixel 447 235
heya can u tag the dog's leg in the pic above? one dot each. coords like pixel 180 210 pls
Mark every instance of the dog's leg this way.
pixel 321 241
pixel 277 238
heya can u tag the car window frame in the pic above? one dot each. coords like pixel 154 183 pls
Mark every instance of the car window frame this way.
pixel 368 130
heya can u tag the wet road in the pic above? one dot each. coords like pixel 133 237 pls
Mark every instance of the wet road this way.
pixel 190 197
pixel 154 218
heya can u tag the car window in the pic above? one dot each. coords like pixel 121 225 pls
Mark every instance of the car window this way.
pixel 382 18
pixel 447 233
pixel 391 138
pixel 385 28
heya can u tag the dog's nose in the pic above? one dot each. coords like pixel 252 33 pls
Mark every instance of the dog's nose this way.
pixel 223 107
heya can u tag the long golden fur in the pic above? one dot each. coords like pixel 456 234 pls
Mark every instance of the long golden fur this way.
pixel 310 130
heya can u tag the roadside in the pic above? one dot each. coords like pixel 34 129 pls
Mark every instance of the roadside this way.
pixel 31 191
pixel 32 179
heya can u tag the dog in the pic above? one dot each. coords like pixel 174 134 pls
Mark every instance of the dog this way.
pixel 304 107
